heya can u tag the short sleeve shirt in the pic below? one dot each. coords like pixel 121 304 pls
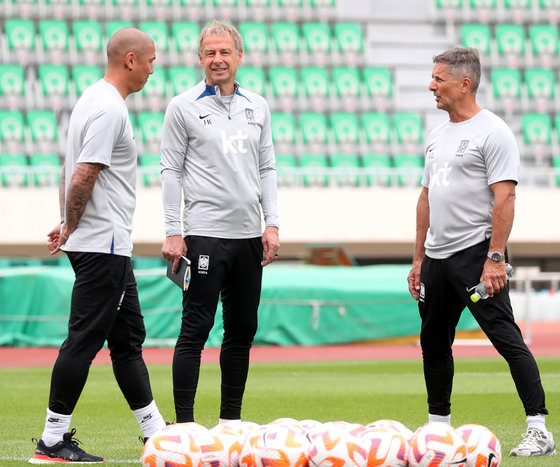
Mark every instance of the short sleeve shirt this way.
pixel 100 132
pixel 462 161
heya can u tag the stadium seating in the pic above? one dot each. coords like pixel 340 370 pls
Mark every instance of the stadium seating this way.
pixel 283 131
pixel 510 40
pixel 345 166
pixel 541 85
pixel 349 40
pixel 544 43
pixel 377 167
pixel 317 38
pixel 379 86
pixel 185 39
pixel 316 86
pixel 311 176
pixel 377 130
pixel 20 37
pixel 12 86
pixel 53 86
pixel 537 137
pixel 284 83
pixel 150 169
pixel 13 170
pixel 55 38
pixel 286 43
pixel 346 132
pixel 477 36
pixel 150 125
pixel 154 93
pixel 506 90
pixel 112 26
pixel 11 131
pixel 410 166
pixel 255 42
pixel 252 78
pixel 285 165
pixel 46 169
pixel 182 78
pixel 347 85
pixel 43 128
pixel 88 37
pixel 409 131
pixel 314 131
pixel 84 76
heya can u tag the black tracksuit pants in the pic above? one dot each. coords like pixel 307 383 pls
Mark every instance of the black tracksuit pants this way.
pixel 443 297
pixel 232 268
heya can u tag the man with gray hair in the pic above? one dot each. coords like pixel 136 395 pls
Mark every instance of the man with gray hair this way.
pixel 216 145
pixel 464 217
pixel 97 203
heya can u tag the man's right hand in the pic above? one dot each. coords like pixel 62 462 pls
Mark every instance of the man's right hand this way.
pixel 414 280
pixel 173 248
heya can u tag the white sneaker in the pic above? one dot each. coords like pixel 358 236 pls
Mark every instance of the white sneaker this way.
pixel 535 443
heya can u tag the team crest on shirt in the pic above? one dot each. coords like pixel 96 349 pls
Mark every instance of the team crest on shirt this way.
pixel 462 147
pixel 203 264
pixel 250 116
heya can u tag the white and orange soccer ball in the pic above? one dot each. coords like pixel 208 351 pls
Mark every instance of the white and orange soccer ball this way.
pixel 184 445
pixel 393 424
pixel 275 445
pixel 483 446
pixel 437 444
pixel 338 444
pixel 386 447
pixel 232 435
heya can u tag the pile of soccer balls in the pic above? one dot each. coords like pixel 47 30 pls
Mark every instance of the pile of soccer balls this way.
pixel 290 443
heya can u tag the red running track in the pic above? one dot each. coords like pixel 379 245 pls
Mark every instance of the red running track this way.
pixel 545 342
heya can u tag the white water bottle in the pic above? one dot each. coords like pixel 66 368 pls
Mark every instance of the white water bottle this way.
pixel 480 292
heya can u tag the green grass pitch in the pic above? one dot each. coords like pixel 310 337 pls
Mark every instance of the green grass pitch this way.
pixel 354 391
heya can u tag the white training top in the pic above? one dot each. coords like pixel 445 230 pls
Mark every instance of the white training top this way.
pixel 100 132
pixel 462 161
pixel 220 152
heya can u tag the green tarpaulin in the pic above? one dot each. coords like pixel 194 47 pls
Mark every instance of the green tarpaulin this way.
pixel 300 305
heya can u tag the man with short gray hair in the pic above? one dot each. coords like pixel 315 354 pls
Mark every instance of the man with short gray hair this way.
pixel 464 218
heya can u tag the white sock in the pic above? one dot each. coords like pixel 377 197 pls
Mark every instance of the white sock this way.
pixel 225 420
pixel 439 418
pixel 149 419
pixel 55 426
pixel 538 422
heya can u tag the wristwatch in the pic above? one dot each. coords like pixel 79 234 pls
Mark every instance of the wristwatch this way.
pixel 496 256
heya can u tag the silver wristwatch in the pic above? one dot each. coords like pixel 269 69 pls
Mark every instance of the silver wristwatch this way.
pixel 496 256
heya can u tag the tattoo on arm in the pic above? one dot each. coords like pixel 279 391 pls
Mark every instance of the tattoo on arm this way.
pixel 79 191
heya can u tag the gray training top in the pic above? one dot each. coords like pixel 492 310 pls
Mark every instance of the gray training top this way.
pixel 462 161
pixel 222 154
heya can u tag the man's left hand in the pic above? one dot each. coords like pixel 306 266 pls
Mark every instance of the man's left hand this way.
pixel 271 245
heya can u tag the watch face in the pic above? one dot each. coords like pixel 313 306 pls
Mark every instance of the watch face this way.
pixel 496 256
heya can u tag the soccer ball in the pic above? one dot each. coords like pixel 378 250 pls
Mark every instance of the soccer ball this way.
pixel 275 445
pixel 232 436
pixel 167 447
pixel 437 444
pixel 335 444
pixel 483 446
pixel 393 424
pixel 387 447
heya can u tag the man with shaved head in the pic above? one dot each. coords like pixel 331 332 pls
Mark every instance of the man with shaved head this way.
pixel 97 202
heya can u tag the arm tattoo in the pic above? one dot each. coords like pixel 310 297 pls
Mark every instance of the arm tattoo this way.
pixel 79 191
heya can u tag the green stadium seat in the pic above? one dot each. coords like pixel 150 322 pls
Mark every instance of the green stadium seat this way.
pixel 283 128
pixel 83 76
pixel 506 89
pixel 349 39
pixel 114 25
pixel 54 84
pixel 556 167
pixel 182 78
pixel 346 130
pixel 252 78
pixel 43 128
pixel 12 130
pixel 537 137
pixel 46 169
pixel 285 169
pixel 314 128
pixel 157 30
pixel 314 166
pixel 540 83
pixel 317 38
pixel 89 39
pixel 379 86
pixel 13 169
pixel 150 169
pixel 378 167
pixel 255 41
pixel 286 42
pixel 316 85
pixel 408 127
pixel 12 86
pixel 448 10
pixel 55 38
pixel 544 43
pixel 377 131
pixel 410 169
pixel 510 39
pixel 477 36
pixel 345 167
pixel 536 128
pixel 485 10
pixel 185 39
pixel 150 125
pixel 347 85
pixel 20 37
pixel 284 83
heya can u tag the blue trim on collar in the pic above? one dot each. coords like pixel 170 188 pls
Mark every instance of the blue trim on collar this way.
pixel 208 91
pixel 239 93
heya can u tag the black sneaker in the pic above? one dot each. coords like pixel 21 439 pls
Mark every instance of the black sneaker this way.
pixel 66 451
